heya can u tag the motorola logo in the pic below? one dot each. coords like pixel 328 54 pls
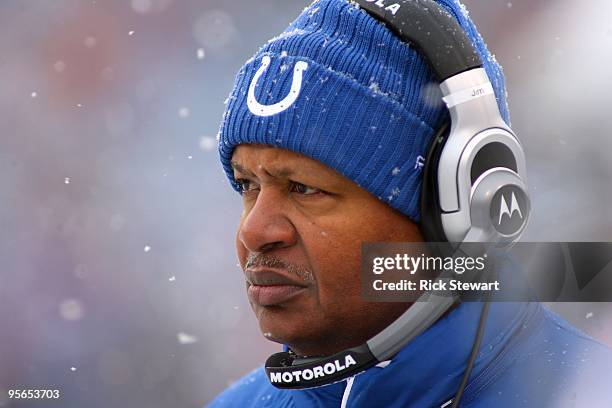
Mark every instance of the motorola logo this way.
pixel 504 210
pixel 308 374
pixel 509 210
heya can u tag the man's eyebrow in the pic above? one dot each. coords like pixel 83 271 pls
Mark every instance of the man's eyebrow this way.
pixel 241 169
pixel 281 173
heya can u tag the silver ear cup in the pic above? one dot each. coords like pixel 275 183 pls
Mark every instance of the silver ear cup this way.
pixel 499 207
pixel 467 217
pixel 479 141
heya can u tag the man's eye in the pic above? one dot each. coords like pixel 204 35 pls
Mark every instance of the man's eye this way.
pixel 304 189
pixel 245 185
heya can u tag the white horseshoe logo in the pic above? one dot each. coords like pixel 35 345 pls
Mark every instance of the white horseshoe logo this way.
pixel 268 110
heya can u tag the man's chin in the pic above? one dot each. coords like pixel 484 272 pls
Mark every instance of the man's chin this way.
pixel 282 326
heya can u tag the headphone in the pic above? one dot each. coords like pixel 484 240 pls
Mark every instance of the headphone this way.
pixel 474 188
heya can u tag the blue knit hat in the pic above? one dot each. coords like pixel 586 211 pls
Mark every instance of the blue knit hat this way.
pixel 339 87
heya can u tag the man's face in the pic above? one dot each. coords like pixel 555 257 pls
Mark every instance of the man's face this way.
pixel 299 243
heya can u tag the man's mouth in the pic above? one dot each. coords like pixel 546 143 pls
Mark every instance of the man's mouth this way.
pixel 269 287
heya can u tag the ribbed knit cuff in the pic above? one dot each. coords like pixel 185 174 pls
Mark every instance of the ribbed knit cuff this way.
pixel 339 87
pixel 356 130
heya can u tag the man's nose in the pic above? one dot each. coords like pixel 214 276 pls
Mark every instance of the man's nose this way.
pixel 266 226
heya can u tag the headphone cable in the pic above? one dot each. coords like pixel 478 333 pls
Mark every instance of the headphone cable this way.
pixel 475 347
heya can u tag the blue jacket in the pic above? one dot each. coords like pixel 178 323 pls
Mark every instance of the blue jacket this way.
pixel 529 357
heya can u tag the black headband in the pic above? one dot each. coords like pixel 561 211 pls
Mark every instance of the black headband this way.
pixel 431 29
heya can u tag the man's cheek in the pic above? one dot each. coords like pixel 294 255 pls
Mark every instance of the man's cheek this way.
pixel 340 290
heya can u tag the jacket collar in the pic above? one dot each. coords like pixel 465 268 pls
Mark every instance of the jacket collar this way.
pixel 429 369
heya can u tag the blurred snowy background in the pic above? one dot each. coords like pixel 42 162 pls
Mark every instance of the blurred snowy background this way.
pixel 118 279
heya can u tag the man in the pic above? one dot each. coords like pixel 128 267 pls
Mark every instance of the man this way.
pixel 324 137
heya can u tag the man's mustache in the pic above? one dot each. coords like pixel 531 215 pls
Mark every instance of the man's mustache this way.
pixel 258 259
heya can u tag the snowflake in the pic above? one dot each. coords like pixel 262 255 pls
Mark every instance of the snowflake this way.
pixel 183 112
